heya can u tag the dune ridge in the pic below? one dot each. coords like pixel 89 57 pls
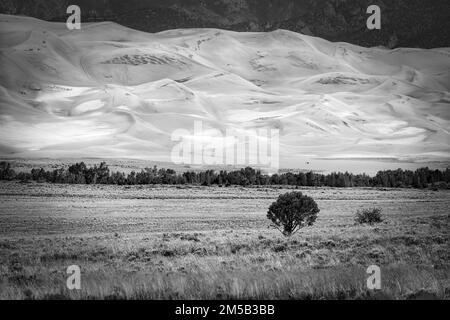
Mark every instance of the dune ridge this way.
pixel 110 91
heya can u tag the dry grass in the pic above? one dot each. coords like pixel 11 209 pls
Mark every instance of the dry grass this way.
pixel 214 243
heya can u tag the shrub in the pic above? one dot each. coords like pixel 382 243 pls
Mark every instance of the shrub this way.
pixel 6 172
pixel 292 211
pixel 369 216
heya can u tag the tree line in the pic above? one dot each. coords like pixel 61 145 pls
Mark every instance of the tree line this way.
pixel 79 173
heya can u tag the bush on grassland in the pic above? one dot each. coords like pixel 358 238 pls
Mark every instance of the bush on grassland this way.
pixel 369 216
pixel 292 211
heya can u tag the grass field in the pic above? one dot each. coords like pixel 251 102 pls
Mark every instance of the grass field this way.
pixel 153 242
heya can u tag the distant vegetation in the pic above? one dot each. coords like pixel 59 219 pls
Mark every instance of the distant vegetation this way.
pixel 79 173
pixel 292 211
pixel 414 23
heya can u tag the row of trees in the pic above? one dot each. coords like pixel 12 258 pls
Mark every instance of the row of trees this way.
pixel 79 173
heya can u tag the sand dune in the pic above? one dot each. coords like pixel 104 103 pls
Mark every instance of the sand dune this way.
pixel 109 91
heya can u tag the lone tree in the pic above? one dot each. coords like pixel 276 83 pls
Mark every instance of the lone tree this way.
pixel 292 211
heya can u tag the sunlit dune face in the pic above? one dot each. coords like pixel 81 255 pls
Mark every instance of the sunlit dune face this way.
pixel 113 91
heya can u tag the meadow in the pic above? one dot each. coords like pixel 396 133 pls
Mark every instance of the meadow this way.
pixel 194 242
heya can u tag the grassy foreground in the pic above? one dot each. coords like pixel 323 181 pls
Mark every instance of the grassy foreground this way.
pixel 126 250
